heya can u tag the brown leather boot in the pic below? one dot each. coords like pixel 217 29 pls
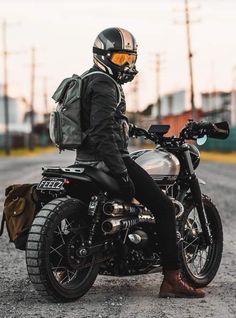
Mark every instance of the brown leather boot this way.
pixel 174 286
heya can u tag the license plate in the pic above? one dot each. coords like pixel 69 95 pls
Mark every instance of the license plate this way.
pixel 55 184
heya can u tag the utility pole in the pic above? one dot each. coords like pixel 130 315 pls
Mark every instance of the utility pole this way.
pixel 190 56
pixel 5 88
pixel 45 95
pixel 45 99
pixel 135 89
pixel 135 97
pixel 158 98
pixel 32 92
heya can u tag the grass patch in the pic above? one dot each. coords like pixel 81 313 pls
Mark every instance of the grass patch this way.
pixel 224 157
pixel 24 152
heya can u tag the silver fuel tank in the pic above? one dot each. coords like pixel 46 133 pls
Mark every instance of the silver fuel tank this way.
pixel 163 166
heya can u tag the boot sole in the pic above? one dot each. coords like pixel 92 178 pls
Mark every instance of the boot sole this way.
pixel 170 295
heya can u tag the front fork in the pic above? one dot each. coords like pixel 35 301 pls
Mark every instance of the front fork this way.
pixel 197 196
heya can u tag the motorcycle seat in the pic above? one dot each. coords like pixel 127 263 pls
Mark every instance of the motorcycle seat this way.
pixel 105 181
pixel 86 173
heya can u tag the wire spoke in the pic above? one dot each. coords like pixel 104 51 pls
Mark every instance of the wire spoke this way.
pixel 67 225
pixel 56 250
pixel 197 257
pixel 191 243
pixel 60 233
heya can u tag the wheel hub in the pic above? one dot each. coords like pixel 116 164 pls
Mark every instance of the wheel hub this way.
pixel 191 239
pixel 75 259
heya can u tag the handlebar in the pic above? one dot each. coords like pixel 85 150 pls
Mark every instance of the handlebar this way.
pixel 192 130
pixel 140 132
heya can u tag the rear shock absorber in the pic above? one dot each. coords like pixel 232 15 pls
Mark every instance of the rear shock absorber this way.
pixel 95 210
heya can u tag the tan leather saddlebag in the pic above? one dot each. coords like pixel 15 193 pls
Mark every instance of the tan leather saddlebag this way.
pixel 20 208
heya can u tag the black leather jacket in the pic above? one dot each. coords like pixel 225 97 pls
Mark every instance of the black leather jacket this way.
pixel 105 122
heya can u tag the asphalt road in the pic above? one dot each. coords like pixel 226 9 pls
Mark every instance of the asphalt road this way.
pixel 120 297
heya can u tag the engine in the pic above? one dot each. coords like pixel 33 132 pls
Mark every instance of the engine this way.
pixel 136 248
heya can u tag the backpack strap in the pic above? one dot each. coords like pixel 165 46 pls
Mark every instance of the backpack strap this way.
pixel 98 72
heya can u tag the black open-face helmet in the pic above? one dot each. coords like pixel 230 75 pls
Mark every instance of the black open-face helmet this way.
pixel 115 52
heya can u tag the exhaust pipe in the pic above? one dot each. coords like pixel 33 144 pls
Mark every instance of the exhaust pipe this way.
pixel 113 209
pixel 179 208
pixel 112 226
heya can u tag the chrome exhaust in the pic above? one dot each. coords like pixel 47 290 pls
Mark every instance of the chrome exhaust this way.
pixel 114 225
pixel 113 209
pixel 179 208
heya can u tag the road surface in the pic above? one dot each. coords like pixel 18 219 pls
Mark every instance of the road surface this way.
pixel 120 297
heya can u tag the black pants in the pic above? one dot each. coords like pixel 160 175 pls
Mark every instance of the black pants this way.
pixel 149 194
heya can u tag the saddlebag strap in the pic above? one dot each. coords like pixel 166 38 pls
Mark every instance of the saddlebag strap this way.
pixel 2 224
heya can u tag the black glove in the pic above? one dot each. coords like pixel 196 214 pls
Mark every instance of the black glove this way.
pixel 126 186
pixel 135 131
pixel 132 129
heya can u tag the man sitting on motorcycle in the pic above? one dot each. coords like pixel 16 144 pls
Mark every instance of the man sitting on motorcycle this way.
pixel 115 54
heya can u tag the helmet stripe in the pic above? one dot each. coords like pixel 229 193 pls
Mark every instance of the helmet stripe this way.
pixel 102 65
pixel 122 38
pixel 98 43
pixel 127 43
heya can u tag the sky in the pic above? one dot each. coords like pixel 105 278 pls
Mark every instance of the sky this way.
pixel 63 33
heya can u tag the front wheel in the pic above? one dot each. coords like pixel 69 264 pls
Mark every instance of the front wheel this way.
pixel 56 270
pixel 200 263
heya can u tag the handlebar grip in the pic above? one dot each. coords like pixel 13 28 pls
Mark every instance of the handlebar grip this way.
pixel 205 125
pixel 219 130
pixel 198 129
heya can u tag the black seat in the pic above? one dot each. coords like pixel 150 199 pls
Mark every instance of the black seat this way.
pixel 86 173
pixel 102 179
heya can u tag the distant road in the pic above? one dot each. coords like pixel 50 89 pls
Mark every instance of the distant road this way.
pixel 120 297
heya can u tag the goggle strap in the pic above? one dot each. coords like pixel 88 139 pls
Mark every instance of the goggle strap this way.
pixel 98 51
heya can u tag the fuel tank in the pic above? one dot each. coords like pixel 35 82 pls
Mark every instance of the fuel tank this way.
pixel 163 166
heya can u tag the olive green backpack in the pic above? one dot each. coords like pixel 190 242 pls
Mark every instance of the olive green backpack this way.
pixel 65 123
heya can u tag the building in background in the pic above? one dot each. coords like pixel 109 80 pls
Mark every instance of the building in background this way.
pixel 175 111
pixel 14 111
pixel 16 116
pixel 177 122
pixel 18 129
pixel 233 108
pixel 216 106
pixel 173 103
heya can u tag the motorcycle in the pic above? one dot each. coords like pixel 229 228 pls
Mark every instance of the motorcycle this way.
pixel 85 229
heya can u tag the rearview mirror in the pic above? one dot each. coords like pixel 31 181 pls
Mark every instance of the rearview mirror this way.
pixel 201 141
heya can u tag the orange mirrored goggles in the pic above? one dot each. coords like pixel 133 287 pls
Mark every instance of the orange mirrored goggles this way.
pixel 122 58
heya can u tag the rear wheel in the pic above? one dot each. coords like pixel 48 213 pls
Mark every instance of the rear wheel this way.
pixel 200 263
pixel 54 265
